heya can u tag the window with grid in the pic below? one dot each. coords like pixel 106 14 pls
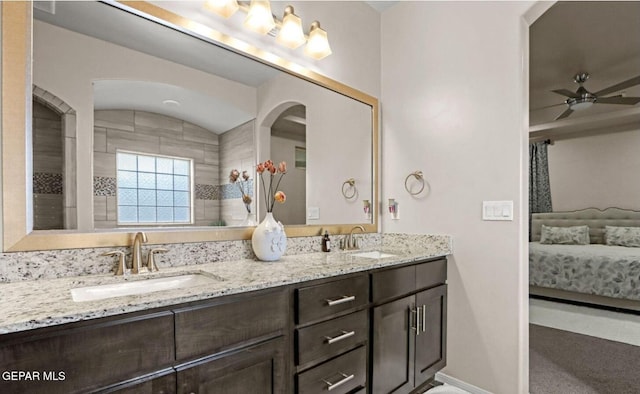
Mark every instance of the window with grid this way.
pixel 153 189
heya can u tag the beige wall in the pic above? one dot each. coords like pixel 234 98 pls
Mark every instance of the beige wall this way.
pixel 294 183
pixel 453 106
pixel 338 133
pixel 596 171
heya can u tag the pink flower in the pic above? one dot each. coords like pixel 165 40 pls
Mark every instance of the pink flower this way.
pixel 280 197
pixel 272 169
pixel 282 167
pixel 260 168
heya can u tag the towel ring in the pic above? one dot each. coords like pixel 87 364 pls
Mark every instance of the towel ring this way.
pixel 420 177
pixel 349 188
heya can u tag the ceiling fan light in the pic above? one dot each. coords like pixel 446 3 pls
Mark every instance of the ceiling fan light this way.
pixel 291 34
pixel 260 18
pixel 581 105
pixel 224 8
pixel 318 44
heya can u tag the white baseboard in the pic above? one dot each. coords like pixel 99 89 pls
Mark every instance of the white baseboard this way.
pixel 444 378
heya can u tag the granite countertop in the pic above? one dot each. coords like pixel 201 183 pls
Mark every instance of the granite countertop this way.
pixel 40 303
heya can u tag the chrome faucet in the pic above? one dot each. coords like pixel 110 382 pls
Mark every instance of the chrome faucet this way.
pixel 350 242
pixel 136 252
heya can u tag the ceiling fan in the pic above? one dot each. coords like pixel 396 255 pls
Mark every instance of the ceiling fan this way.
pixel 582 98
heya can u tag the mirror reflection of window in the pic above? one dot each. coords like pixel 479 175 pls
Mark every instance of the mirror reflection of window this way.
pixel 153 189
pixel 288 141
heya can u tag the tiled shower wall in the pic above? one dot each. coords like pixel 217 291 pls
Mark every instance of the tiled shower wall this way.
pixel 237 151
pixel 146 132
pixel 48 159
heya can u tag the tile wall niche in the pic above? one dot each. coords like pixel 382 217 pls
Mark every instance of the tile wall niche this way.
pixel 146 132
pixel 50 264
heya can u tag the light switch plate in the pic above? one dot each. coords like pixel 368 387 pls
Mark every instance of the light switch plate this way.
pixel 313 213
pixel 497 210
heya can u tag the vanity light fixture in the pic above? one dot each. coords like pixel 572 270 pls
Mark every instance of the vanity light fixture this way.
pixel 290 33
pixel 259 17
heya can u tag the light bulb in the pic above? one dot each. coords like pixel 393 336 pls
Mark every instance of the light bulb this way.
pixel 224 8
pixel 318 44
pixel 259 18
pixel 291 34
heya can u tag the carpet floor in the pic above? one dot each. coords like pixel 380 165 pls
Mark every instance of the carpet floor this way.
pixel 563 362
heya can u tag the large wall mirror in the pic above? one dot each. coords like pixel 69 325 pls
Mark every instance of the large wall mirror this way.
pixel 141 126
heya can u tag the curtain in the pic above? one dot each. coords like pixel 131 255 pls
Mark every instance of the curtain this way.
pixel 539 189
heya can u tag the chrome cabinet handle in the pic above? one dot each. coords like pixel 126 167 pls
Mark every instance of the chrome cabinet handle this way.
pixel 418 320
pixel 346 378
pixel 340 300
pixel 344 335
pixel 424 318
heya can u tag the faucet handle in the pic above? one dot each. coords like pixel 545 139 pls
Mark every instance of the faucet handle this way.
pixel 122 264
pixel 151 261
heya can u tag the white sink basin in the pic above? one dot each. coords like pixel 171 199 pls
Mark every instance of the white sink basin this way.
pixel 142 286
pixel 374 254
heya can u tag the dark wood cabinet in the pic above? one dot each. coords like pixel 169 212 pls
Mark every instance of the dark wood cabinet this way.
pixel 162 382
pixel 255 369
pixel 228 322
pixel 380 331
pixel 408 338
pixel 83 357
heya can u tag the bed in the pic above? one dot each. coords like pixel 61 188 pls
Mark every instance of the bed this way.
pixel 595 273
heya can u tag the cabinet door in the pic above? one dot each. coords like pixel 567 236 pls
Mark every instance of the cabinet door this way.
pixel 431 341
pixel 393 347
pixel 255 369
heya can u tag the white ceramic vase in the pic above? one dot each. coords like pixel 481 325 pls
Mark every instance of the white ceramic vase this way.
pixel 269 240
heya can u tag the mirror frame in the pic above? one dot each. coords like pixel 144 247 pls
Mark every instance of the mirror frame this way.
pixel 16 38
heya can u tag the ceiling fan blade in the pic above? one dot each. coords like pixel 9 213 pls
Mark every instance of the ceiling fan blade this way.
pixel 618 100
pixel 622 85
pixel 566 92
pixel 566 113
pixel 548 106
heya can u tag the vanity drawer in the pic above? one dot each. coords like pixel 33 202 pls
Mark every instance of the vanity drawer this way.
pixel 430 274
pixel 393 282
pixel 79 358
pixel 331 337
pixel 327 299
pixel 209 328
pixel 340 375
pixel 397 282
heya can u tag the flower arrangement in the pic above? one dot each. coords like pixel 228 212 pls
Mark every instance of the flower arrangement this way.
pixel 233 178
pixel 271 197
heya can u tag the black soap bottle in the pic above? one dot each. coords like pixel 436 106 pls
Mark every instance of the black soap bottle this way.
pixel 326 242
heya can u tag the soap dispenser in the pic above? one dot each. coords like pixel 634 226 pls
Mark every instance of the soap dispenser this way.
pixel 326 242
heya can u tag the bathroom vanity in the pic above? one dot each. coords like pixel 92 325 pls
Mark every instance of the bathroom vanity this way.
pixel 320 322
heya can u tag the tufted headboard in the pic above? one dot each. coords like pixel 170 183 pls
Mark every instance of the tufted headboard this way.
pixel 595 218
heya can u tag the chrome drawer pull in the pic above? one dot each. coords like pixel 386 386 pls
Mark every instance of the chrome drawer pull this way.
pixel 418 320
pixel 345 335
pixel 331 386
pixel 424 318
pixel 341 300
